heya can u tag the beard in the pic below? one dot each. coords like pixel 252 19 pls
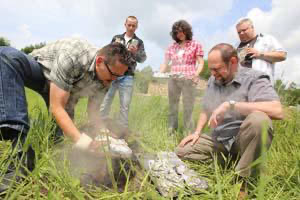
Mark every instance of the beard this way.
pixel 222 81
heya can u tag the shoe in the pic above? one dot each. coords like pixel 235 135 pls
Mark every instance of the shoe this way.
pixel 8 180
pixel 243 194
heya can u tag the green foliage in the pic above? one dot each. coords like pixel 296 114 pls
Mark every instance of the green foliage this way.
pixel 289 96
pixel 4 42
pixel 30 48
pixel 205 74
pixel 143 78
pixel 148 119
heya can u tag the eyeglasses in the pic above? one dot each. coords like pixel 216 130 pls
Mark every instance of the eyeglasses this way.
pixel 178 31
pixel 244 30
pixel 112 73
pixel 217 70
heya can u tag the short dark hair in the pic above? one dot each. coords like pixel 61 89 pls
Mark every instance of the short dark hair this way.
pixel 227 51
pixel 183 26
pixel 116 51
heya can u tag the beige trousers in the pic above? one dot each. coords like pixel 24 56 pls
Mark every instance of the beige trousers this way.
pixel 247 147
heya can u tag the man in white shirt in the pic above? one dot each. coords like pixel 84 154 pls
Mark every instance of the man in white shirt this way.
pixel 258 51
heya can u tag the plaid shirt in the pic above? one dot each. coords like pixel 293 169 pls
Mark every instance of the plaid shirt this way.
pixel 70 64
pixel 183 60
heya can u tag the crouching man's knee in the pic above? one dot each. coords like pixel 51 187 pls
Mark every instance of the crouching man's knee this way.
pixel 258 121
pixel 180 151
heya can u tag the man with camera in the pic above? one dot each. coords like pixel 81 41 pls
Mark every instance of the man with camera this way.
pixel 125 83
pixel 258 51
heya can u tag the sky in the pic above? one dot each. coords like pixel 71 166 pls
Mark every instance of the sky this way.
pixel 34 21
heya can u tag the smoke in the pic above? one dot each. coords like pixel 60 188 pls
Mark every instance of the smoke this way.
pixel 93 168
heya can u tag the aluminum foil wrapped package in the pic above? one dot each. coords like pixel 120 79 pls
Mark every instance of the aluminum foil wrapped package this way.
pixel 167 75
pixel 116 146
pixel 170 174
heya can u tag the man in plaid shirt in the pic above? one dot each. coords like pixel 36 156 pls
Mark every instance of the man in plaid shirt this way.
pixel 62 72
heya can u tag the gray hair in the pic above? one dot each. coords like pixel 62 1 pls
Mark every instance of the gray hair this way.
pixel 244 20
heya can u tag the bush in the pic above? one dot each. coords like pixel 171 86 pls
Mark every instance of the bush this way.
pixel 4 42
pixel 30 48
pixel 142 79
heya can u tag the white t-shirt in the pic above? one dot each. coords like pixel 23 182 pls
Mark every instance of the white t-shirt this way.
pixel 127 40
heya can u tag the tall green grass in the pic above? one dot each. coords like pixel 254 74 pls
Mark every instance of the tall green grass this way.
pixel 148 120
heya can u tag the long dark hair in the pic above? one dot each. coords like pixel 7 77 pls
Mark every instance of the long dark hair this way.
pixel 183 26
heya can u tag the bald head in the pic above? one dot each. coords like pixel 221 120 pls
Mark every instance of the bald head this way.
pixel 225 50
pixel 222 62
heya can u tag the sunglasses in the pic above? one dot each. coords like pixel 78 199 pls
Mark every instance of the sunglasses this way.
pixel 112 73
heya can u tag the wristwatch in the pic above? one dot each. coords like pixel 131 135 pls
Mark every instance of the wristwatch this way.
pixel 232 104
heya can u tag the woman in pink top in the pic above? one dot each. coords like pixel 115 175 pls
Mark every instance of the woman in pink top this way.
pixel 182 58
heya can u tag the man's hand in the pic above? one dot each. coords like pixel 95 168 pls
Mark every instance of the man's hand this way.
pixel 254 53
pixel 94 146
pixel 218 115
pixel 133 49
pixel 193 138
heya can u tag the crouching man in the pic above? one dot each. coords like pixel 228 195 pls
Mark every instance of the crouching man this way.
pixel 239 105
pixel 61 72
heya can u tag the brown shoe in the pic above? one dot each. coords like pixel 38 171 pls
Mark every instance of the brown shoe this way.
pixel 243 191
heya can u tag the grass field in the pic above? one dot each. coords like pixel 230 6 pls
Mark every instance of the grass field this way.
pixel 148 117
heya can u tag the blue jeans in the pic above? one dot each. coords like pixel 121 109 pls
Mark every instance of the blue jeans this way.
pixel 16 71
pixel 125 86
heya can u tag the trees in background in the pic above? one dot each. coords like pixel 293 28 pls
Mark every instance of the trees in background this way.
pixel 4 41
pixel 205 74
pixel 289 94
pixel 143 78
pixel 30 48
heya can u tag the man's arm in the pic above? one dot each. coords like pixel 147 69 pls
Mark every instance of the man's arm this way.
pixel 274 56
pixel 138 52
pixel 195 136
pixel 261 97
pixel 58 101
pixel 140 55
pixel 272 108
pixel 201 122
pixel 271 56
